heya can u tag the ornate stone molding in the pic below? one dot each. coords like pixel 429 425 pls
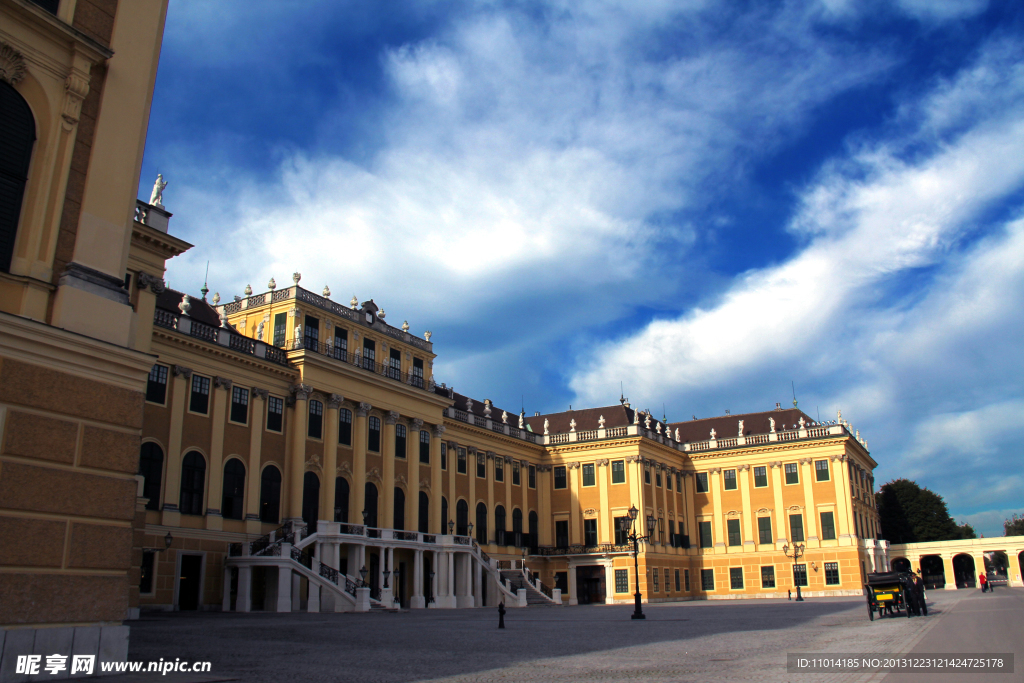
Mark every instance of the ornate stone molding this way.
pixel 400 479
pixel 391 417
pixel 508 459
pixel 732 513
pixel 363 409
pixel 182 371
pixel 590 512
pixel 743 468
pixel 452 445
pixel 313 462
pixel 775 465
pixel 715 470
pixel 601 462
pixel 343 468
pixel 334 401
pixel 260 393
pixel 438 431
pixel 632 458
pixel 417 424
pixel 425 484
pixel 764 511
pixel 573 465
pixel 543 468
pixel 12 64
pixel 222 383
pixel 805 461
pixel 301 391
pixel 154 283
pixel 76 87
pixel 524 463
pixel 373 475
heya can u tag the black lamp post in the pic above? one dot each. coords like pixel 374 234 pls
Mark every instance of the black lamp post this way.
pixel 628 528
pixel 365 515
pixel 387 573
pixel 451 527
pixel 362 575
pixel 798 550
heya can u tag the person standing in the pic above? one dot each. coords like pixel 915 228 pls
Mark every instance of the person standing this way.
pixel 501 614
pixel 984 582
pixel 922 604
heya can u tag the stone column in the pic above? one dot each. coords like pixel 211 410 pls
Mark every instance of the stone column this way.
pixel 312 589
pixel 357 495
pixel 781 514
pixel 811 523
pixel 715 491
pixel 243 603
pixel 636 490
pixel 573 600
pixel 524 483
pixel 433 579
pixel 453 465
pixel 449 557
pixel 435 522
pixel 575 525
pixel 252 494
pixel 388 475
pixel 412 496
pixel 180 390
pixel 478 584
pixel 218 416
pixel 690 511
pixel 330 458
pixel 508 490
pixel 947 570
pixel 284 584
pixel 492 524
pixel 297 465
pixel 471 501
pixel 605 533
pixel 417 601
pixel 544 497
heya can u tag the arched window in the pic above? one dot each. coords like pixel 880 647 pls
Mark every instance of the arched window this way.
pixel 461 518
pixel 499 525
pixel 270 494
pixel 310 501
pixel 400 441
pixel 233 499
pixel 341 500
pixel 424 512
pixel 399 508
pixel 193 480
pixel 345 427
pixel 424 446
pixel 19 135
pixel 481 523
pixel 444 515
pixel 371 505
pixel 315 428
pixel 151 467
pixel 533 530
pixel 517 527
pixel 373 437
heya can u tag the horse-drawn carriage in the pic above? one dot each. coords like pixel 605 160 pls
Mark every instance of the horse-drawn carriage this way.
pixel 889 592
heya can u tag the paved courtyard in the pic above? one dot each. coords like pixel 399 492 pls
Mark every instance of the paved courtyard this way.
pixel 694 641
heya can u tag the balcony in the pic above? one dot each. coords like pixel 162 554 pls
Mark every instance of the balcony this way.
pixel 339 353
pixel 218 335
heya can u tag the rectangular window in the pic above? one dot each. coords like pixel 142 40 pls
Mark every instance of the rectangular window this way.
pixel 618 471
pixel 562 533
pixel 828 526
pixel 704 531
pixel 764 529
pixel 401 441
pixel 417 373
pixel 760 477
pixel 424 446
pixel 280 325
pixel 621 580
pixel 444 456
pixel 341 343
pixel 800 575
pixel 156 387
pixel 796 528
pixel 792 476
pixel 679 482
pixel 275 414
pixel 677 581
pixel 146 582
pixel 200 401
pixel 560 482
pixel 516 479
pixel 373 433
pixel 657 477
pixel 702 482
pixel 311 333
pixel 668 480
pixel 831 573
pixel 533 477
pixel 668 587
pixel 736 578
pixel 345 426
pixel 686 580
pixel 733 526
pixel 239 405
pixel 707 579
pixel 768 577
pixel 395 364
pixel 590 533
pixel 654 576
pixel 460 464
pixel 481 467
pixel 588 474
pixel 729 478
pixel 315 428
pixel 647 475
pixel 620 533
pixel 821 470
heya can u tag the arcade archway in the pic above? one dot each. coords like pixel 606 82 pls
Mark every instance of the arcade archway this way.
pixel 963 571
pixel 900 564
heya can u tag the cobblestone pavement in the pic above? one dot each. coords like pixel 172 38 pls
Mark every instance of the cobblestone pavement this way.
pixel 733 640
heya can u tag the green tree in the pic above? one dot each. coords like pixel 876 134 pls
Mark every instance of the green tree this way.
pixel 966 531
pixel 1014 526
pixel 909 513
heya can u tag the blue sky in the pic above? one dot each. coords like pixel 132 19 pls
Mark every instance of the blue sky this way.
pixel 703 201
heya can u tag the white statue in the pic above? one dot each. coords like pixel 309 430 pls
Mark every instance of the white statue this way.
pixel 657 427
pixel 259 331
pixel 185 306
pixel 771 424
pixel 327 292
pixel 636 417
pixel 647 421
pixel 522 420
pixel 801 422
pixel 157 196
pixel 504 417
pixel 298 333
pixel 572 425
pixel 712 434
pixel 741 428
pixel 426 335
pixel 405 326
pixel 677 433
pixel 546 425
pixel 600 422
pixel 487 408
pixel 469 405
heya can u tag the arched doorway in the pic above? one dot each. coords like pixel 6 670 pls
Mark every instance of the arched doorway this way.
pixel 461 518
pixel 399 509
pixel 270 495
pixel 310 501
pixel 1020 564
pixel 900 564
pixel 933 571
pixel 371 505
pixel 481 523
pixel 963 571
pixel 424 512
pixel 997 567
pixel 341 500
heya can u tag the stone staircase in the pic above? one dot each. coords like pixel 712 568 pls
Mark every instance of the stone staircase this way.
pixel 516 580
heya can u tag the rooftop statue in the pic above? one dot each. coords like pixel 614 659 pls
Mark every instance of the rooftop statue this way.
pixel 157 196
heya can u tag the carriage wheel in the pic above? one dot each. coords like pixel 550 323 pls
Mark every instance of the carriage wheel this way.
pixel 871 612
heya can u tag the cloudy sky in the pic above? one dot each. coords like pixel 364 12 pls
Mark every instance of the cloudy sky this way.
pixel 708 204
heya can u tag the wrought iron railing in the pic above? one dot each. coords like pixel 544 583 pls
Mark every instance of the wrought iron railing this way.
pixel 429 538
pixel 350 586
pixel 580 549
pixel 463 540
pixel 235 341
pixel 329 573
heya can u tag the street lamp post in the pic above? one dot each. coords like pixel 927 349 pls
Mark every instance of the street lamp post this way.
pixel 628 528
pixel 798 551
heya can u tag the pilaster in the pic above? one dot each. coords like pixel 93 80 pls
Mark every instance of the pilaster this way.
pixel 218 415
pixel 435 522
pixel 357 496
pixel 297 464
pixel 388 473
pixel 252 494
pixel 180 388
pixel 330 456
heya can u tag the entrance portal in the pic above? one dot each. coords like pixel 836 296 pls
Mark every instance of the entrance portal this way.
pixel 590 588
pixel 188 582
pixel 933 572
pixel 963 570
